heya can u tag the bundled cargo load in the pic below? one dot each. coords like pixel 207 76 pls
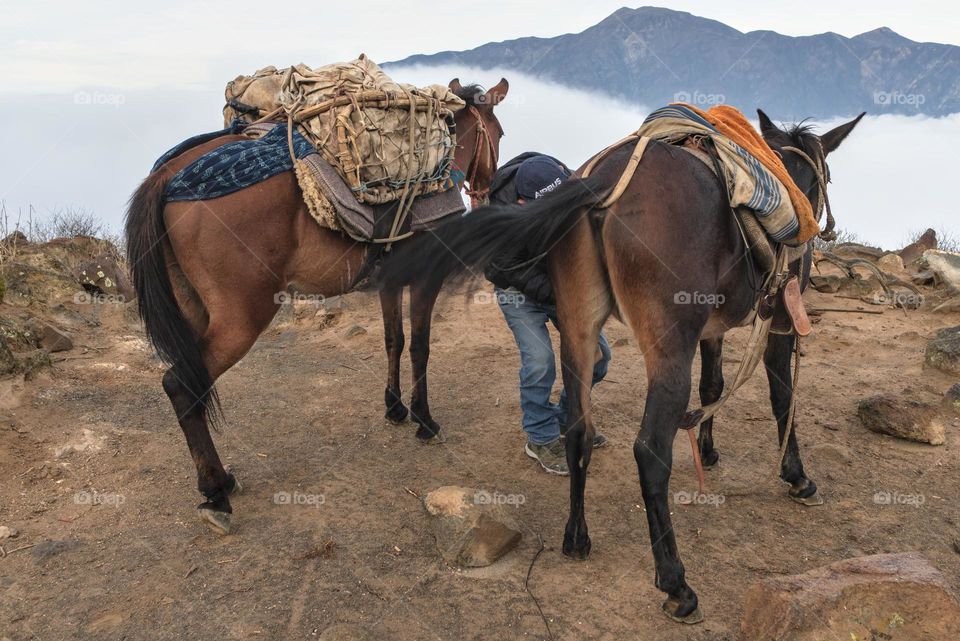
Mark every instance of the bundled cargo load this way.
pixel 388 141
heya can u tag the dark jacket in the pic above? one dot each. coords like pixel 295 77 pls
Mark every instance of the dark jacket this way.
pixel 513 271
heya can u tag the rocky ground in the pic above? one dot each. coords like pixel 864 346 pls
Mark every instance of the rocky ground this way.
pixel 101 539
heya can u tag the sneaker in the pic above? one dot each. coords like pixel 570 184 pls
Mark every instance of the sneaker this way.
pixel 599 440
pixel 552 456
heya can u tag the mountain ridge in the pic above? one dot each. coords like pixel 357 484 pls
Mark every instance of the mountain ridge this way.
pixel 653 56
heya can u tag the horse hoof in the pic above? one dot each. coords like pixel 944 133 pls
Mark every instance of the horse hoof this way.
pixel 810 501
pixel 672 605
pixel 710 459
pixel 430 433
pixel 219 522
pixel 577 550
pixel 397 414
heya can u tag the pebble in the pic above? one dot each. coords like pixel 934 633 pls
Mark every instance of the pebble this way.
pixel 7 533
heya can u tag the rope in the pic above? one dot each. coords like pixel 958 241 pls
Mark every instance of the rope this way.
pixel 483 135
pixel 823 201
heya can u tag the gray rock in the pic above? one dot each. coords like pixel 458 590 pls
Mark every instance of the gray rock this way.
pixel 896 597
pixel 945 266
pixel 471 529
pixel 943 352
pixel 909 420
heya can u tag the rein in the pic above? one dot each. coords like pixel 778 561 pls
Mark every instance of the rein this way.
pixel 483 136
pixel 820 170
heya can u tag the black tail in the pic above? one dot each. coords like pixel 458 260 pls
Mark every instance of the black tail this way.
pixel 466 245
pixel 166 326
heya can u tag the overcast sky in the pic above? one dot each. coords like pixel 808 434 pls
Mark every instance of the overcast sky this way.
pixel 156 72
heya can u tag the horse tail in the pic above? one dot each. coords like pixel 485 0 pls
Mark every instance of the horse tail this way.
pixel 466 245
pixel 169 331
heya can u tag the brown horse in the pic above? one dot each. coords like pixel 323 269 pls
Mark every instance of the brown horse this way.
pixel 208 274
pixel 671 233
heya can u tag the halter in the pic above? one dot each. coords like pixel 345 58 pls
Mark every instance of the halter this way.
pixel 819 167
pixel 479 196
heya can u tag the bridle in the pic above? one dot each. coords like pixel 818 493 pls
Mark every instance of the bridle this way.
pixel 480 196
pixel 822 172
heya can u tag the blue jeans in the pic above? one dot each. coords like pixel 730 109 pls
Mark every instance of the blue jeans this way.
pixel 538 370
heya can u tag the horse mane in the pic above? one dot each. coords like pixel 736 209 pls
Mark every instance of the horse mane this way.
pixel 801 135
pixel 471 94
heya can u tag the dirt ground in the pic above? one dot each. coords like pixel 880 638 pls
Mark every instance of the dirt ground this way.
pixel 96 477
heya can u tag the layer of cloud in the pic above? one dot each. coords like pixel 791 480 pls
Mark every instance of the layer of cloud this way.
pixel 893 176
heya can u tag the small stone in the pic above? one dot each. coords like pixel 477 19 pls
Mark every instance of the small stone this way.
pixel 354 330
pixel 890 263
pixel 951 400
pixel 472 527
pixel 7 532
pixel 827 284
pixel 943 352
pixel 49 337
pixel 897 597
pixel 909 419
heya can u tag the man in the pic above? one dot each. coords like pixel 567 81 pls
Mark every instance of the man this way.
pixel 526 298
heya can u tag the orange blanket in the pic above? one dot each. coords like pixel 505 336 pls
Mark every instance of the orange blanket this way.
pixel 734 125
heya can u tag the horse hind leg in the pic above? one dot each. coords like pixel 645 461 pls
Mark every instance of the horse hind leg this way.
pixel 711 387
pixel 584 303
pixel 228 329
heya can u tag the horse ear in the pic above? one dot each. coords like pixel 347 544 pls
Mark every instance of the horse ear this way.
pixel 765 123
pixel 497 93
pixel 832 139
pixel 455 85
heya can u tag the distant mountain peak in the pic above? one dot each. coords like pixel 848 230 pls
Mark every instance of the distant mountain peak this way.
pixel 884 36
pixel 653 55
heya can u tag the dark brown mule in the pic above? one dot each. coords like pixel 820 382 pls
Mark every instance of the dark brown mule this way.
pixel 670 236
pixel 208 275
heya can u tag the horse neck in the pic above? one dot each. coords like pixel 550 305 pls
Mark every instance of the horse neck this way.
pixel 466 140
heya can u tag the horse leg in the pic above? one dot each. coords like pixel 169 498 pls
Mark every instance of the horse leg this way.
pixel 423 296
pixel 391 301
pixel 777 359
pixel 233 326
pixel 583 305
pixel 668 361
pixel 711 387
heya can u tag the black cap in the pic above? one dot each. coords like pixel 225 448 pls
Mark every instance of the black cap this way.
pixel 538 176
